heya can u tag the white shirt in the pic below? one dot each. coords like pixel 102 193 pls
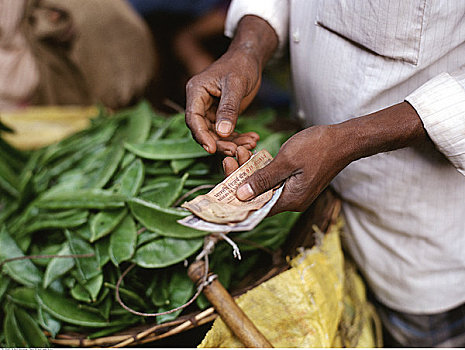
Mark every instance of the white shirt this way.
pixel 404 210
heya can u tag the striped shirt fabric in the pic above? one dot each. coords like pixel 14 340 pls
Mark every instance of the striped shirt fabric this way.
pixel 405 209
pixel 19 75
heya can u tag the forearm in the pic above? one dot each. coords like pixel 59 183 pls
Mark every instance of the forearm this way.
pixel 255 37
pixel 389 129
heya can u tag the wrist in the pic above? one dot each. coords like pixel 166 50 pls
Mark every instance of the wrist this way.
pixel 386 130
pixel 256 38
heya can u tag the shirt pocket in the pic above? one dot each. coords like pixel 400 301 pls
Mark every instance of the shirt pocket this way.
pixel 388 28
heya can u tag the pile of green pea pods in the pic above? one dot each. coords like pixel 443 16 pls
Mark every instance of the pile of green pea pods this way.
pixel 107 195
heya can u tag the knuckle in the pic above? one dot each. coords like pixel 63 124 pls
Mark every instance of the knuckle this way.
pixel 262 181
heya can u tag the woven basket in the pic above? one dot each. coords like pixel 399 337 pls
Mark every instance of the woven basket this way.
pixel 321 214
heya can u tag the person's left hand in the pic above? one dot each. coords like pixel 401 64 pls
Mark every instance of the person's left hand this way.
pixel 307 163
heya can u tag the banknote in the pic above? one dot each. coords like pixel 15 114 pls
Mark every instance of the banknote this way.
pixel 221 206
pixel 246 225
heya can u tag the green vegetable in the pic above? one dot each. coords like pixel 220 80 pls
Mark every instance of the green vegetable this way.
pixel 168 149
pixel 123 241
pixel 162 220
pixel 166 251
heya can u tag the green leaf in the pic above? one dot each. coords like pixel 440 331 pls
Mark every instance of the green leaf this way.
pixel 57 267
pixel 180 290
pixel 123 241
pixel 22 271
pixel 102 175
pixel 139 123
pixel 166 251
pixel 48 322
pixel 81 198
pixel 23 296
pixel 87 267
pixel 162 220
pixel 104 222
pixel 167 149
pixel 30 329
pixel 131 180
pixel 68 310
pixel 165 192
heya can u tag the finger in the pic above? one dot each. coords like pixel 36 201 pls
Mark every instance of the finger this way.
pixel 263 180
pixel 226 147
pixel 229 166
pixel 198 101
pixel 245 141
pixel 228 108
pixel 242 155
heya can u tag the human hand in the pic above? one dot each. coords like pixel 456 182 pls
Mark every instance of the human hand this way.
pixel 215 97
pixel 307 163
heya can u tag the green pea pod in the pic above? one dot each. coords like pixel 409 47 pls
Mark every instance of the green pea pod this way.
pixel 179 165
pixel 22 271
pixel 162 220
pixel 166 251
pixel 167 149
pixel 87 267
pixel 180 290
pixel 27 332
pixel 159 168
pixel 160 290
pixel 131 179
pixel 177 129
pixel 129 294
pixel 13 336
pixel 57 267
pixel 139 123
pixel 8 179
pixel 48 322
pixel 105 306
pixel 67 310
pixel 4 283
pixel 49 249
pixel 107 331
pixel 23 296
pixel 102 248
pixel 123 241
pixel 41 223
pixel 146 237
pixel 93 286
pixel 104 222
pixel 166 193
pixel 79 293
pixel 113 157
pixel 161 129
pixel 85 139
pixel 85 199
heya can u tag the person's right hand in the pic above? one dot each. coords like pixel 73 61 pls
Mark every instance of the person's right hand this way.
pixel 216 96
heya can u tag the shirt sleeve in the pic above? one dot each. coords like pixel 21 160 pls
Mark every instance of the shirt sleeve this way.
pixel 275 12
pixel 440 103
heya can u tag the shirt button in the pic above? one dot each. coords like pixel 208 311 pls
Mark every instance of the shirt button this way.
pixel 296 36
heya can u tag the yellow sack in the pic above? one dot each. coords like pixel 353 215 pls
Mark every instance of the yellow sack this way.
pixel 318 302
pixel 35 127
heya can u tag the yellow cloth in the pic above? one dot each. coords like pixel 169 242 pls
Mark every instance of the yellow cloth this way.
pixel 35 127
pixel 318 302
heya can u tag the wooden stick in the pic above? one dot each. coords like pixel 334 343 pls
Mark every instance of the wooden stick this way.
pixel 229 311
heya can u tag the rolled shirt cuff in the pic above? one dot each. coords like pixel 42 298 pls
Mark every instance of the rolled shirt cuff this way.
pixel 275 12
pixel 440 103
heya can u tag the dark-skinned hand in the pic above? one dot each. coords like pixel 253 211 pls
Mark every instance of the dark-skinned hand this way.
pixel 216 96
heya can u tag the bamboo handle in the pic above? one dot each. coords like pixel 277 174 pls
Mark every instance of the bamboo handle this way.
pixel 228 310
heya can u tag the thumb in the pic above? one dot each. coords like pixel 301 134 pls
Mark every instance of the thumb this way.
pixel 261 181
pixel 228 107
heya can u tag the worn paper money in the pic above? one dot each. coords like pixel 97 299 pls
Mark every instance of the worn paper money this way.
pixel 221 206
pixel 248 224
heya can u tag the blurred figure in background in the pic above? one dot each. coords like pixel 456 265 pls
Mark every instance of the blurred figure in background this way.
pixel 73 52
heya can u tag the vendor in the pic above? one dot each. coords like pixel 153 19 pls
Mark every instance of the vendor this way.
pixel 383 86
pixel 73 52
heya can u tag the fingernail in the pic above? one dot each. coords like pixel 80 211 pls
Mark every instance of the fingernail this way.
pixel 224 127
pixel 206 148
pixel 244 192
